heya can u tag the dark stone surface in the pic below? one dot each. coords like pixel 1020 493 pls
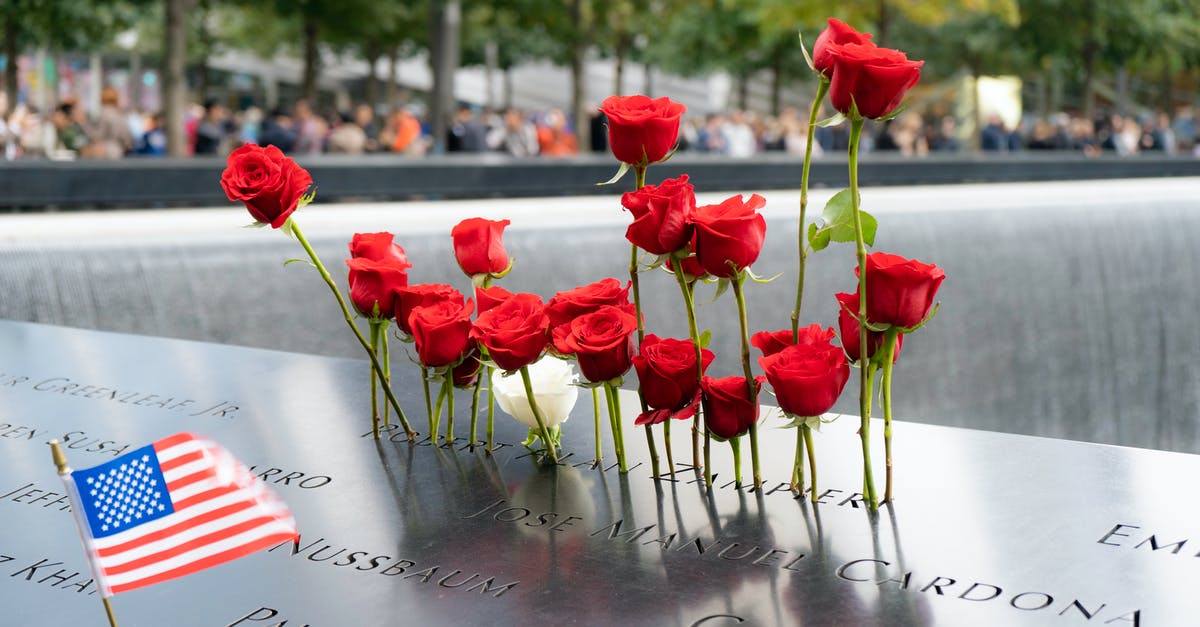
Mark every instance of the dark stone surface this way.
pixel 34 185
pixel 986 529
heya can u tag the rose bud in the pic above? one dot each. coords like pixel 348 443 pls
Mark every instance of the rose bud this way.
pixel 838 32
pixel 807 378
pixel 732 231
pixel 514 332
pixel 662 216
pixel 848 328
pixel 478 247
pixel 378 247
pixel 872 79
pixel 900 291
pixel 554 391
pixel 421 295
pixel 728 411
pixel 602 341
pixel 373 286
pixel 268 183
pixel 463 375
pixel 442 332
pixel 771 342
pixel 641 131
pixel 667 377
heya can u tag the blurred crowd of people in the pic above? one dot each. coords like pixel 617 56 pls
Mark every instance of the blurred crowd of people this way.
pixel 212 129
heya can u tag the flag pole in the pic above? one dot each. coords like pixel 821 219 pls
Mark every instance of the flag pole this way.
pixel 60 462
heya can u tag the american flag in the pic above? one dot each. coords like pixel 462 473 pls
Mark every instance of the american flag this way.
pixel 171 508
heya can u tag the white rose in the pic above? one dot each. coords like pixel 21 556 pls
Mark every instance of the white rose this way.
pixel 553 388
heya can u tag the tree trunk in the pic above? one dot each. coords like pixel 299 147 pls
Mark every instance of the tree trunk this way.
pixel 311 60
pixel 776 81
pixel 508 88
pixel 1123 89
pixel 885 21
pixel 622 51
pixel 1166 91
pixel 1089 87
pixel 11 51
pixel 649 86
pixel 174 78
pixel 743 89
pixel 578 56
pixel 446 20
pixel 371 52
pixel 393 83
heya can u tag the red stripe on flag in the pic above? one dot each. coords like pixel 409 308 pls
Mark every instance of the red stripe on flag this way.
pixel 205 496
pixel 212 560
pixel 174 529
pixel 202 541
pixel 172 440
pixel 187 480
pixel 176 462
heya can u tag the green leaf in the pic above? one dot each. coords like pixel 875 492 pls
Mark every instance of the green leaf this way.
pixel 256 225
pixel 833 120
pixel 290 261
pixel 616 177
pixel 705 338
pixel 760 280
pixel 658 262
pixel 804 49
pixel 817 238
pixel 838 217
pixel 722 287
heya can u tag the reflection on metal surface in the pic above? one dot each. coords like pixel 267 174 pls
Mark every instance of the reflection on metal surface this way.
pixel 986 528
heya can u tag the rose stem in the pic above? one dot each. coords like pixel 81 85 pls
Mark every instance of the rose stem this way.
pixel 889 354
pixel 374 326
pixel 689 304
pixel 751 384
pixel 387 389
pixel 386 358
pixel 864 387
pixel 614 409
pixel 596 420
pixel 653 450
pixel 639 178
pixel 449 385
pixel 812 461
pixel 798 464
pixel 475 404
pixel 537 415
pixel 491 411
pixel 736 444
pixel 822 89
pixel 428 399
pixel 436 426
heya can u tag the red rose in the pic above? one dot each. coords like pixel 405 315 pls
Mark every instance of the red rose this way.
pixel 661 216
pixel 732 231
pixel 567 305
pixel 421 295
pixel 378 247
pixel 641 131
pixel 268 183
pixel 602 341
pixel 464 373
pixel 900 291
pixel 807 378
pixel 441 331
pixel 838 32
pixel 514 332
pixel 771 342
pixel 374 284
pixel 667 377
pixel 478 246
pixel 489 297
pixel 728 411
pixel 692 270
pixel 874 79
pixel 848 327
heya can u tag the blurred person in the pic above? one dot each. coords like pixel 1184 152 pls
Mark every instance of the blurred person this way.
pixel 740 142
pixel 467 133
pixel 711 138
pixel 210 133
pixel 37 134
pixel 364 117
pixel 1083 137
pixel 885 140
pixel 1043 136
pixel 1164 134
pixel 946 139
pixel 1185 127
pixel 108 137
pixel 598 137
pixel 772 139
pixel 347 137
pixel 994 136
pixel 518 137
pixel 278 130
pixel 689 133
pixel 154 140
pixel 554 138
pixel 310 129
pixel 71 138
pixel 249 125
pixel 402 134
pixel 795 132
pixel 910 135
